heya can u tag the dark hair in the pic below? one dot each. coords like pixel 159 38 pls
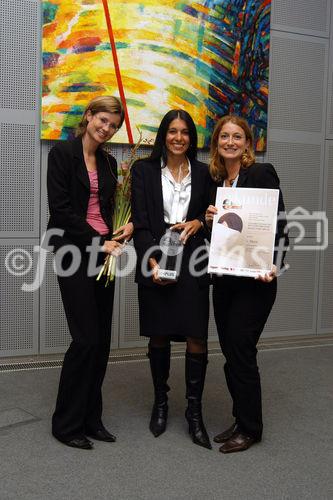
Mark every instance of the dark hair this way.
pixel 233 221
pixel 159 149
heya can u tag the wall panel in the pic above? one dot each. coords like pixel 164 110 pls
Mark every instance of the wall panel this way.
pixel 329 125
pixel 298 78
pixel 301 16
pixel 18 309
pixel 328 185
pixel 19 41
pixel 325 316
pixel 19 187
pixel 295 308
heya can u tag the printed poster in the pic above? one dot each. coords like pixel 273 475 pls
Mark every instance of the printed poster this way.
pixel 243 232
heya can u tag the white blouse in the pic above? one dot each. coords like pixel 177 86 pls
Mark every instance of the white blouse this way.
pixel 176 196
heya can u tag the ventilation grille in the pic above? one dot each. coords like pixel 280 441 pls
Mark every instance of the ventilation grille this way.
pixel 296 84
pixel 308 15
pixel 299 167
pixel 326 292
pixel 17 187
pixel 294 309
pixel 18 324
pixel 19 31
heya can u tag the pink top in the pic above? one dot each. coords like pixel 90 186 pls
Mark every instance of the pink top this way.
pixel 94 217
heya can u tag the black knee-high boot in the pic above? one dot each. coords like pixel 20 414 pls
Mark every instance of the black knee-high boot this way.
pixel 160 366
pixel 195 373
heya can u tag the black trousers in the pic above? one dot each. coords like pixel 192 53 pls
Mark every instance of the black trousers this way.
pixel 241 308
pixel 88 307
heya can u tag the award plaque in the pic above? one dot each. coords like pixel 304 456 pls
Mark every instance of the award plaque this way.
pixel 172 248
pixel 243 233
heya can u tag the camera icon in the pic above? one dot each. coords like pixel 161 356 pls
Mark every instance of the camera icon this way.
pixel 301 219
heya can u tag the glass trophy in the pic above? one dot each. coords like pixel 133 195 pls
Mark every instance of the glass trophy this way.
pixel 172 248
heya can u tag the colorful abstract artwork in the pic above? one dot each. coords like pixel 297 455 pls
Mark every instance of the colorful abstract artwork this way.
pixel 209 57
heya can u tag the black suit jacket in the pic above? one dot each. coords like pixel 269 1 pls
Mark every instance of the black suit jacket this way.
pixel 148 213
pixel 68 189
pixel 263 175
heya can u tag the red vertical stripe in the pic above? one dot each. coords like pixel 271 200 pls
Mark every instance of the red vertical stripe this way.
pixel 117 70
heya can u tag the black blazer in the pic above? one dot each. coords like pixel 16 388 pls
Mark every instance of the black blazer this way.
pixel 148 213
pixel 263 175
pixel 68 189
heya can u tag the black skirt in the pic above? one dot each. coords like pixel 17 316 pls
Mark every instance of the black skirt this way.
pixel 178 310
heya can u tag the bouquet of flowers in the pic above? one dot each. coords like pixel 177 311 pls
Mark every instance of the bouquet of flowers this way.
pixel 122 207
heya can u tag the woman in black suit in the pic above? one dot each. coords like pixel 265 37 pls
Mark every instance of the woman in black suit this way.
pixel 81 182
pixel 170 190
pixel 242 305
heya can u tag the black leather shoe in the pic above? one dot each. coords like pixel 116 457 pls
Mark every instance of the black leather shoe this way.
pixel 102 435
pixel 227 434
pixel 238 442
pixel 81 442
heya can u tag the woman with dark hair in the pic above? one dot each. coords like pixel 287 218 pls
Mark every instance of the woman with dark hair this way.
pixel 242 305
pixel 81 182
pixel 169 192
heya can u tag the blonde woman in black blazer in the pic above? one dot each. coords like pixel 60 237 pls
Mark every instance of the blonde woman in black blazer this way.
pixel 242 305
pixel 81 181
pixel 171 181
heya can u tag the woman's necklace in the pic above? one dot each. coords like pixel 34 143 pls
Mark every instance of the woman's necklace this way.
pixel 230 181
pixel 180 171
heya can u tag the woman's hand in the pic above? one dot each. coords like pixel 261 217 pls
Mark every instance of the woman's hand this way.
pixel 209 215
pixel 112 247
pixel 155 267
pixel 125 231
pixel 268 277
pixel 187 229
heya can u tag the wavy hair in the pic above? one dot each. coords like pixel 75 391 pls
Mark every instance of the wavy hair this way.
pixel 216 165
pixel 106 104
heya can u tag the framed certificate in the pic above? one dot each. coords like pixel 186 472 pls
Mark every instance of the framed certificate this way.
pixel 243 231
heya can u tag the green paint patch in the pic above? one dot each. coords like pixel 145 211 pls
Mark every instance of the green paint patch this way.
pixel 183 94
pixel 135 103
pixel 178 26
pixel 149 128
pixel 70 121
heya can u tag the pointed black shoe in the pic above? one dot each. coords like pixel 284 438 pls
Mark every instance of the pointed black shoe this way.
pixel 80 442
pixel 195 373
pixel 159 358
pixel 102 435
pixel 196 427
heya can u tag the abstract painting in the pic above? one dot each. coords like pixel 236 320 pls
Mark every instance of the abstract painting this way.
pixel 209 57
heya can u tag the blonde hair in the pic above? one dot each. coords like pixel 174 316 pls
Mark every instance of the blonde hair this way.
pixel 216 166
pixel 106 104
